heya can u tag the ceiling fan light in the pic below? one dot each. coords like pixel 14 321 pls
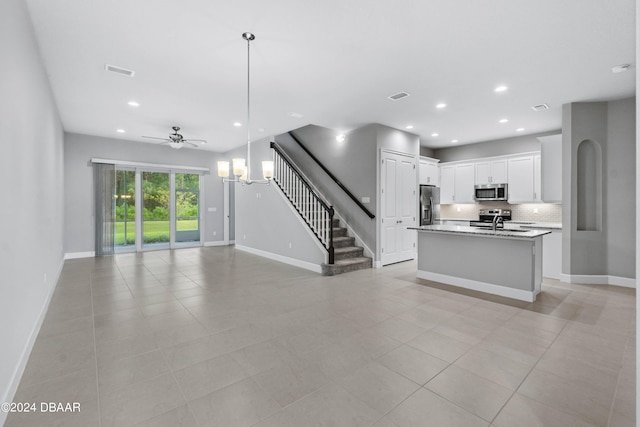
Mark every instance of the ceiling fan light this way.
pixel 176 145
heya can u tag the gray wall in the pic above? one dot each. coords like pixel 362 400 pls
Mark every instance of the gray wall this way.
pixel 611 250
pixel 497 147
pixel 33 208
pixel 79 149
pixel 264 219
pixel 620 188
pixel 427 152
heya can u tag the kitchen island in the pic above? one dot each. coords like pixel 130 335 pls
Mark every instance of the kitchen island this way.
pixel 505 262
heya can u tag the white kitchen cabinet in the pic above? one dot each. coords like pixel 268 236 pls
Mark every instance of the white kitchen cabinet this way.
pixel 552 254
pixel 447 184
pixel 521 179
pixel 429 174
pixel 491 172
pixel 551 166
pixel 464 183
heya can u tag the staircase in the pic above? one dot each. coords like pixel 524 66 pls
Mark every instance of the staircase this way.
pixel 347 256
pixel 342 255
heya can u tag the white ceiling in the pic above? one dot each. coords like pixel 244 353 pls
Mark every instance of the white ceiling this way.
pixel 334 61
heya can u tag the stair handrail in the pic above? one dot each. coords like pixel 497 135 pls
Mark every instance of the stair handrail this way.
pixel 304 198
pixel 333 177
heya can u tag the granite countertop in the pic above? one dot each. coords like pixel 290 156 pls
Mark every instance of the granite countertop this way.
pixel 517 224
pixel 510 233
pixel 543 225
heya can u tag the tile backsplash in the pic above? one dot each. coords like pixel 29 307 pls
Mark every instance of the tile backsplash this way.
pixel 536 212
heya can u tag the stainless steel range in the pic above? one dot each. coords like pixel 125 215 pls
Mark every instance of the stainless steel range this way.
pixel 487 216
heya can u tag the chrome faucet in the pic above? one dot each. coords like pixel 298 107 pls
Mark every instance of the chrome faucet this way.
pixel 497 220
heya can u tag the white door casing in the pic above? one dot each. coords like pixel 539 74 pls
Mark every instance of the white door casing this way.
pixel 398 207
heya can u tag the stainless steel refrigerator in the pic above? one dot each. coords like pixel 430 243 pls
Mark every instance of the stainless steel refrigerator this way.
pixel 429 204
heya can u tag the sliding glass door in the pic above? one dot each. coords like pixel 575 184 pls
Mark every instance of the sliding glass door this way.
pixel 187 207
pixel 154 209
pixel 156 217
pixel 124 208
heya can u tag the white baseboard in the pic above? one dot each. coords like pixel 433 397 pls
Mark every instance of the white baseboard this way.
pixel 595 279
pixel 26 352
pixel 75 255
pixel 475 285
pixel 377 264
pixel 280 258
pixel 217 243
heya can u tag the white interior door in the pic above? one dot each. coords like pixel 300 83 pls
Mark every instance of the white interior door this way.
pixel 398 203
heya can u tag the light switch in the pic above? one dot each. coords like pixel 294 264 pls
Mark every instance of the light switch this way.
pixel 212 209
pixel 366 200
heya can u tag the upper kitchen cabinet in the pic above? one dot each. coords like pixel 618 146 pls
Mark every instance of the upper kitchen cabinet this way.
pixel 447 184
pixel 551 168
pixel 456 183
pixel 524 179
pixel 429 174
pixel 491 172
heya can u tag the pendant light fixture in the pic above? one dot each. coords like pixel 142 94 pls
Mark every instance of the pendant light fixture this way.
pixel 241 169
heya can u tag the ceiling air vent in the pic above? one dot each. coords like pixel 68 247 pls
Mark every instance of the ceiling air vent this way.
pixel 119 70
pixel 540 107
pixel 398 95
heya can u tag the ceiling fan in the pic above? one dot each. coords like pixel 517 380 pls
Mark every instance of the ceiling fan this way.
pixel 177 141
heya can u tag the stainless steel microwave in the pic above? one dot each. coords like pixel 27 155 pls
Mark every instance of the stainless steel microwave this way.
pixel 491 192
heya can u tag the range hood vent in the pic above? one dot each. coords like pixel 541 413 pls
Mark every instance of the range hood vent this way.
pixel 119 70
pixel 398 95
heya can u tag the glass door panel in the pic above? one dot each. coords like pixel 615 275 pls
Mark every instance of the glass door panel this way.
pixel 187 208
pixel 156 230
pixel 124 205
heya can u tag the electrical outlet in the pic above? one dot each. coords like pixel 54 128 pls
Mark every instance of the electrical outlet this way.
pixel 215 232
pixel 289 245
pixel 366 200
pixel 457 209
pixel 45 278
pixel 535 210
pixel 244 236
pixel 212 209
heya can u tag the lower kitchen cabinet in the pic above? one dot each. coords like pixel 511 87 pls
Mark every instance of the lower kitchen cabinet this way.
pixel 552 254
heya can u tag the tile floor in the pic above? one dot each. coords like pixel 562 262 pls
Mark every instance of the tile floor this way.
pixel 218 337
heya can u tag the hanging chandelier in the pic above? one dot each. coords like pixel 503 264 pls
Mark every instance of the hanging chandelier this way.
pixel 242 169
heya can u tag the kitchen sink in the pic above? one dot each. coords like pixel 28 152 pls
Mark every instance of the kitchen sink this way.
pixel 502 230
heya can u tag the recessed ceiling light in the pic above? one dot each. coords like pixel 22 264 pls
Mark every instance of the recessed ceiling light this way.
pixel 503 121
pixel 260 129
pixel 120 130
pixel 296 115
pixel 441 105
pixel 620 68
pixel 501 88
pixel 340 138
pixel 409 127
pixel 519 129
pixel 435 134
pixel 454 141
pixel 237 124
pixel 133 104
